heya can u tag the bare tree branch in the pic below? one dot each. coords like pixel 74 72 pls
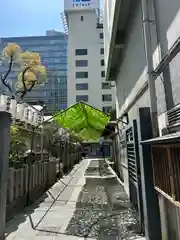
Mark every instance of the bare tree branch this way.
pixel 25 89
pixel 3 78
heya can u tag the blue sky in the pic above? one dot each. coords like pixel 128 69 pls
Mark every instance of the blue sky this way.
pixel 29 17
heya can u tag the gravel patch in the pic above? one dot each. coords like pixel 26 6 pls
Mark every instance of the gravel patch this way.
pixel 103 211
pixel 98 168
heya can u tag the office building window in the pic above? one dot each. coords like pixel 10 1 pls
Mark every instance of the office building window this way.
pixel 81 74
pixel 103 74
pixel 82 86
pixel 101 35
pixel 102 51
pixel 102 62
pixel 107 109
pixel 82 18
pixel 106 97
pixel 82 98
pixel 106 85
pixel 81 63
pixel 81 52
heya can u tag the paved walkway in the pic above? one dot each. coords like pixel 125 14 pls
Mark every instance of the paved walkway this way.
pixel 49 217
pixel 65 208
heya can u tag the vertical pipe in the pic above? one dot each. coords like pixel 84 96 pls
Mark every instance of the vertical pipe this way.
pixel 149 62
pixel 151 79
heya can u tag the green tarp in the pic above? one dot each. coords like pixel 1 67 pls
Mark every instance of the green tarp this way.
pixel 83 121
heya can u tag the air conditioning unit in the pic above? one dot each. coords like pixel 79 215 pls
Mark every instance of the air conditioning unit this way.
pixel 173 116
pixel 169 122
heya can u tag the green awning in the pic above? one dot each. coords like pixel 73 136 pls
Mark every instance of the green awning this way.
pixel 85 121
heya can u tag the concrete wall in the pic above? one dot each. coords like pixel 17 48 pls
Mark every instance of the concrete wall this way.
pixel 168 17
pixel 131 70
pixel 131 75
pixel 85 35
pixel 131 78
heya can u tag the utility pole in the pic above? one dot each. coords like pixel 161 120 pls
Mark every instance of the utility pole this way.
pixel 5 123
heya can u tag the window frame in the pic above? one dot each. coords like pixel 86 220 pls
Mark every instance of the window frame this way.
pixel 81 99
pixel 101 35
pixel 102 62
pixel 103 74
pixel 104 95
pixel 105 84
pixel 81 50
pixel 79 89
pixel 79 72
pixel 78 61
pixel 110 107
pixel 102 51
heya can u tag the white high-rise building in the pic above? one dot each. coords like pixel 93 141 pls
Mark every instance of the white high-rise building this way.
pixel 86 71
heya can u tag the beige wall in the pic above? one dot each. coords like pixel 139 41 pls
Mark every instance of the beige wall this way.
pixel 85 35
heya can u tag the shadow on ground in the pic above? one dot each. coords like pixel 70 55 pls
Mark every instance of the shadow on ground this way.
pixel 103 211
pixel 14 223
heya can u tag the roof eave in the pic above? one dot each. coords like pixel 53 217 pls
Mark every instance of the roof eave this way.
pixel 117 41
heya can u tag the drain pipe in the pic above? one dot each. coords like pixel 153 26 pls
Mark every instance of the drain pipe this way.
pixel 152 221
pixel 149 62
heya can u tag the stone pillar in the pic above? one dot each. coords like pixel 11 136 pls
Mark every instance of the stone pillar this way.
pixel 21 181
pixel 46 173
pixel 36 174
pixel 11 185
pixel 60 160
pixel 33 176
pixel 65 163
pixel 25 178
pixel 39 173
pixel 17 183
pixel 5 122
pixel 68 156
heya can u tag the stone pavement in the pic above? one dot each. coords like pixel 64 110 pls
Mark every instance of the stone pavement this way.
pixel 49 217
pixel 64 209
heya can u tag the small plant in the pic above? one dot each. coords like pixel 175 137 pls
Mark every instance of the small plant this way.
pixel 18 144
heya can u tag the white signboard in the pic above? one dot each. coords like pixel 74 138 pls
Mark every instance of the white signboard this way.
pixel 80 4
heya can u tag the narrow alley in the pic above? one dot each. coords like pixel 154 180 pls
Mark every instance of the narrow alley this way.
pixel 79 207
